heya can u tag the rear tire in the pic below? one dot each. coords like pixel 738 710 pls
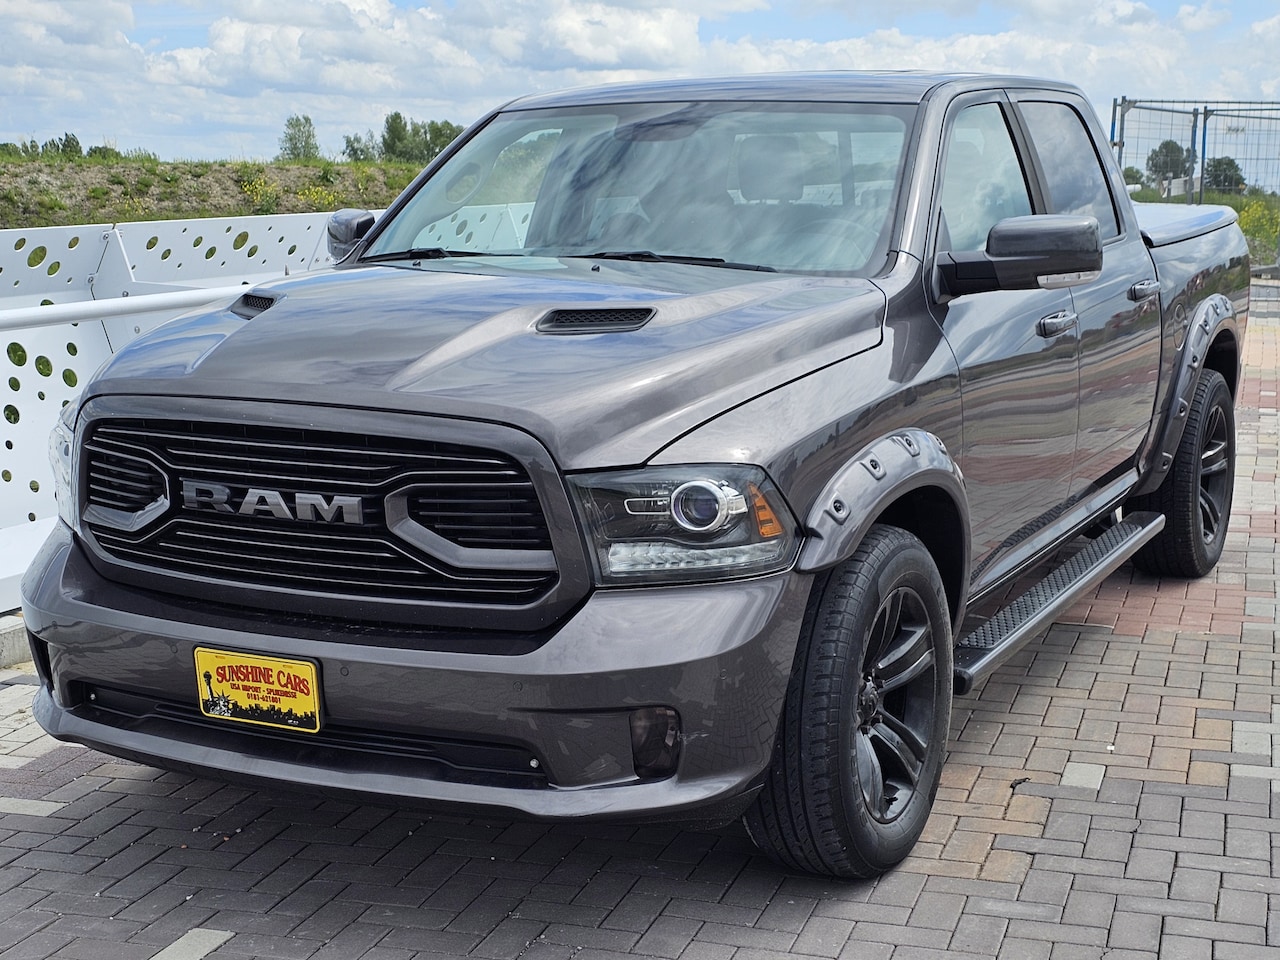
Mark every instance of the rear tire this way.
pixel 860 746
pixel 1195 497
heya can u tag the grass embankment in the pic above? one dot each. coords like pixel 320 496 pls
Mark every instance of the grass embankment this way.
pixel 39 193
pixel 45 192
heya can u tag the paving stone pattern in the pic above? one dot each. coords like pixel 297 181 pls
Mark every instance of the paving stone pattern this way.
pixel 1111 793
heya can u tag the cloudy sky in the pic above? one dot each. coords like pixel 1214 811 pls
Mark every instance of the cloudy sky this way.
pixel 217 78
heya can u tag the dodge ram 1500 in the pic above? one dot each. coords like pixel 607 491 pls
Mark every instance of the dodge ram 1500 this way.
pixel 643 459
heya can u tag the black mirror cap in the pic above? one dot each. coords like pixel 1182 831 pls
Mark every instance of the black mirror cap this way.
pixel 347 228
pixel 1048 251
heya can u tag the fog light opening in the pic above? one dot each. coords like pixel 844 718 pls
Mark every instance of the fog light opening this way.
pixel 655 742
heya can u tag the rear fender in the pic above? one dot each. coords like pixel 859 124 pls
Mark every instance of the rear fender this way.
pixel 1214 314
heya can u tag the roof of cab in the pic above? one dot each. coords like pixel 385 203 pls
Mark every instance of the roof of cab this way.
pixel 906 86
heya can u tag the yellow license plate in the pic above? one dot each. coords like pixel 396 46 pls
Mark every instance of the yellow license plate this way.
pixel 270 691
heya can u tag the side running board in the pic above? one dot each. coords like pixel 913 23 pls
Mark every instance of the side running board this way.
pixel 982 651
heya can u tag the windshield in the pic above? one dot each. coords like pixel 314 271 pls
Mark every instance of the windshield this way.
pixel 782 186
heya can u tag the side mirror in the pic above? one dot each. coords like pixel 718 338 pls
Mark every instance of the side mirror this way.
pixel 347 228
pixel 1048 251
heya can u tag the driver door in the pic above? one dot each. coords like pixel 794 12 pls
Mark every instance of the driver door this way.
pixel 1017 350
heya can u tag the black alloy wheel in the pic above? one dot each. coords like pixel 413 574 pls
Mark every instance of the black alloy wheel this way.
pixel 859 749
pixel 1195 497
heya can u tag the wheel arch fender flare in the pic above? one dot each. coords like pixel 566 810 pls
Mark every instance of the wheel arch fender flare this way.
pixel 897 467
pixel 1214 316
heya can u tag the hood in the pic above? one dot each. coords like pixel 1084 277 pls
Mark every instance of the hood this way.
pixel 464 341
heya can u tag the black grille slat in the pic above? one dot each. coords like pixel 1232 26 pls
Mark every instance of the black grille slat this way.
pixel 472 497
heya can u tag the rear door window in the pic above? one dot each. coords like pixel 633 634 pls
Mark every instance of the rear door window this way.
pixel 1072 172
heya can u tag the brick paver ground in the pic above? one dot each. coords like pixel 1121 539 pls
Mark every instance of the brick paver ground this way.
pixel 1111 793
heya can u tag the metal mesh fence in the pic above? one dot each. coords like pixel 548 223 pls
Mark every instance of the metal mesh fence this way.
pixel 1186 149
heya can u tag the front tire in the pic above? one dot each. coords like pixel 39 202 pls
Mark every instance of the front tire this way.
pixel 859 750
pixel 1195 497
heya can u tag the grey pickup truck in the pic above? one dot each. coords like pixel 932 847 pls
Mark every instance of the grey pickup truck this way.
pixel 643 459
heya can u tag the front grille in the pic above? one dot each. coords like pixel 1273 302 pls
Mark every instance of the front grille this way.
pixel 119 479
pixel 306 510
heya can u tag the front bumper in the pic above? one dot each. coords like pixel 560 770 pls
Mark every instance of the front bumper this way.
pixel 720 655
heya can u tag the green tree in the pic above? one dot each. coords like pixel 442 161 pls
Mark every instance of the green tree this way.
pixel 65 147
pixel 1170 161
pixel 1133 175
pixel 411 141
pixel 298 142
pixel 1223 175
pixel 361 148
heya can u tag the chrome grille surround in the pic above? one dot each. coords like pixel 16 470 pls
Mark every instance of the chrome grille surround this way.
pixel 416 552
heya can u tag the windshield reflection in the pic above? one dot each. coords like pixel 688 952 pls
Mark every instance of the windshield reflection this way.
pixel 789 187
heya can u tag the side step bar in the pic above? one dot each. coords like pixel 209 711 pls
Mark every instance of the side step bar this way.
pixel 982 651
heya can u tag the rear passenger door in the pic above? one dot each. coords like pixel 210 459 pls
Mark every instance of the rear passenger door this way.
pixel 1118 316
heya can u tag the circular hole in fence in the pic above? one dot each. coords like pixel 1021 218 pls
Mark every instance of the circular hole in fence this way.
pixel 197 241
pixel 54 267
pixel 11 413
pixel 69 377
pixel 73 243
pixel 6 476
pixel 31 517
pixel 20 243
pixel 292 248
pixel 46 302
pixel 14 384
pixel 166 254
pixel 241 239
pixel 44 366
pixel 39 394
pixel 72 349
pixel 252 251
pixel 35 486
pixel 36 256
pixel 17 354
pixel 209 254
pixel 151 244
pixel 462 228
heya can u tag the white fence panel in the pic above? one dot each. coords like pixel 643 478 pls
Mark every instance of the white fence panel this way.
pixel 71 296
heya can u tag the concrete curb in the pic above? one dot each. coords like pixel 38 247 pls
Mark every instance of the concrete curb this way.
pixel 13 641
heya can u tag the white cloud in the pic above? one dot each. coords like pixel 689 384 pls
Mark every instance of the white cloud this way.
pixel 221 77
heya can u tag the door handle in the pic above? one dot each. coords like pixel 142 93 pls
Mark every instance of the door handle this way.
pixel 1056 323
pixel 1143 289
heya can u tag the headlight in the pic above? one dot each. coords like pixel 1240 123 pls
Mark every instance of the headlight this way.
pixel 61 454
pixel 684 523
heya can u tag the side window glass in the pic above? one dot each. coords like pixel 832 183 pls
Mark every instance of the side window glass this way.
pixel 1072 172
pixel 982 180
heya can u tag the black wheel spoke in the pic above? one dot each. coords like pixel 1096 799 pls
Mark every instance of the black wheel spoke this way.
pixel 1210 514
pixel 908 659
pixel 909 738
pixel 870 775
pixel 885 629
pixel 896 752
pixel 1214 459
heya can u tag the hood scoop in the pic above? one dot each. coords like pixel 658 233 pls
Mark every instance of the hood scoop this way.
pixel 595 320
pixel 251 304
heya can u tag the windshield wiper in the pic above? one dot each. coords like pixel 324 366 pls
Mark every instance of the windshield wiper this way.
pixel 648 256
pixel 421 253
